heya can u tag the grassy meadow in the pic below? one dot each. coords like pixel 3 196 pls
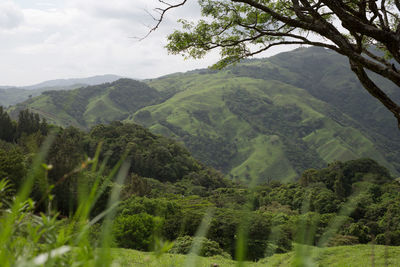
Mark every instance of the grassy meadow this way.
pixel 342 256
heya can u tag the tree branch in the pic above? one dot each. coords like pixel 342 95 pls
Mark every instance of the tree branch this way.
pixel 350 22
pixel 163 11
pixel 277 16
pixel 374 90
pixel 379 59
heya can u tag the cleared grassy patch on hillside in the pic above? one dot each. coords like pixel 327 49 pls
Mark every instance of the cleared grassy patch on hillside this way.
pixel 343 256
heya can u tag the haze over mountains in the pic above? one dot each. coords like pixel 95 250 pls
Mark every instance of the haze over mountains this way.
pixel 10 95
pixel 259 120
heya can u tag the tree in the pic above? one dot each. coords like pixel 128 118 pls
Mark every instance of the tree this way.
pixel 136 231
pixel 12 164
pixel 7 126
pixel 367 32
pixel 65 155
pixel 29 123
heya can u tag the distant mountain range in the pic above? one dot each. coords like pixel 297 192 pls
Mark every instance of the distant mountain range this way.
pixel 262 119
pixel 10 95
pixel 98 79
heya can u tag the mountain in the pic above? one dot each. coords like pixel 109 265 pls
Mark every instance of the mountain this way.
pixel 12 95
pixel 87 106
pixel 98 79
pixel 262 119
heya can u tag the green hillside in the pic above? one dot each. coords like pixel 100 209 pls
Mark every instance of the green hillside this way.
pixel 91 105
pixel 349 256
pixel 259 120
pixel 13 95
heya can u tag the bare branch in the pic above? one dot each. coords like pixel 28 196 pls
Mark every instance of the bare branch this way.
pixel 298 10
pixel 163 11
pixel 377 58
pixel 385 14
pixel 397 3
pixel 374 8
pixel 351 22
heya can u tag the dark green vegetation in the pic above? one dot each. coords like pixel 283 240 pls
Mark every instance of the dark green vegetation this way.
pixel 260 120
pixel 167 195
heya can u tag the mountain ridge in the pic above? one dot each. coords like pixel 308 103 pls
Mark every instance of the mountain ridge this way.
pixel 11 95
pixel 259 120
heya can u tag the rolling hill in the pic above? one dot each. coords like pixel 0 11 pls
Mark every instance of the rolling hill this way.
pixel 91 105
pixel 12 95
pixel 262 119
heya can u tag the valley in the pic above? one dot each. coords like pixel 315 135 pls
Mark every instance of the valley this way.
pixel 263 119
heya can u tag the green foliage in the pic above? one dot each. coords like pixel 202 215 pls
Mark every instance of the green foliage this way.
pixel 12 164
pixel 152 156
pixel 7 126
pixel 136 231
pixel 31 238
pixel 66 154
pixel 343 240
pixel 6 192
pixel 267 219
pixel 29 123
pixel 360 231
pixel 340 177
pixel 183 245
pixel 345 203
pixel 132 95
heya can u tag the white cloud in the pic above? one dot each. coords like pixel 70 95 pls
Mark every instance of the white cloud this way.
pixel 78 38
pixel 10 15
pixel 88 37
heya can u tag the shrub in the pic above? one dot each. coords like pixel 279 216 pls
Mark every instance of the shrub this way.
pixel 136 231
pixel 209 248
pixel 360 231
pixel 389 238
pixel 342 240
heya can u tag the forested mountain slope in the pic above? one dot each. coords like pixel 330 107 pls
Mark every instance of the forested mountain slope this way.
pixel 91 105
pixel 13 95
pixel 259 120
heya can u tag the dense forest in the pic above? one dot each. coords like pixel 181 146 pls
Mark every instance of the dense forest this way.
pixel 167 194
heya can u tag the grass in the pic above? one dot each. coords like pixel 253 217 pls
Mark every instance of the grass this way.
pixel 129 257
pixel 103 108
pixel 265 155
pixel 342 256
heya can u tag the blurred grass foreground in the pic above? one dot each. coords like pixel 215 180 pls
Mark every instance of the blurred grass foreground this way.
pixel 34 232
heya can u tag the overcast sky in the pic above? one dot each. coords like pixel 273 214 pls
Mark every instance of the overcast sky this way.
pixel 51 39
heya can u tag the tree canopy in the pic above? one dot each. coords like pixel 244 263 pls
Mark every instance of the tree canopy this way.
pixel 367 32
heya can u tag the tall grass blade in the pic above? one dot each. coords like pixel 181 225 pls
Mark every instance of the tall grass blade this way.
pixel 191 259
pixel 104 259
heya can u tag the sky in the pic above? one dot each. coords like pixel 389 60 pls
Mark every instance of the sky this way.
pixel 53 39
